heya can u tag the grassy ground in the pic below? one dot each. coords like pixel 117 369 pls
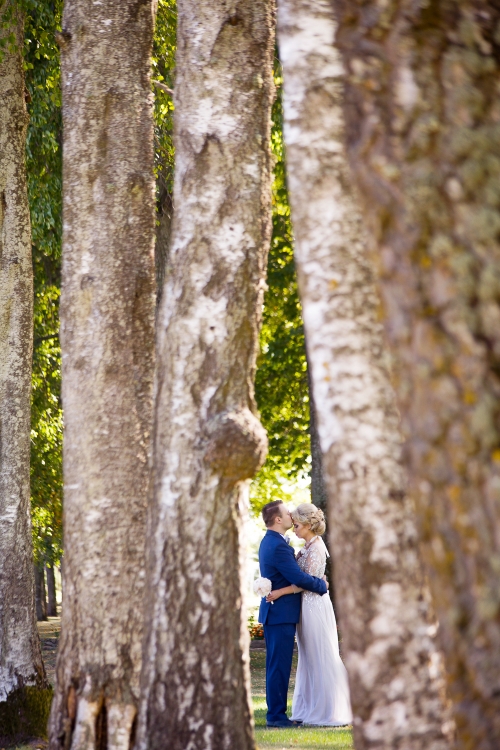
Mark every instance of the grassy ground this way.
pixel 308 738
pixel 280 739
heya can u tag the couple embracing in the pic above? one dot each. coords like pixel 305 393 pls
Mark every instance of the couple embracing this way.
pixel 321 694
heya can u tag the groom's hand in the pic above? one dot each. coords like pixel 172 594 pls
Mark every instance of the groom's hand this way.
pixel 326 581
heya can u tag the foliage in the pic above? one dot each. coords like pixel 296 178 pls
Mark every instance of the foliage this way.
pixel 281 382
pixel 43 162
pixel 8 22
pixel 164 44
pixel 46 433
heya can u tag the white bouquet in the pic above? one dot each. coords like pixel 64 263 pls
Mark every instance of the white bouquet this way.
pixel 262 586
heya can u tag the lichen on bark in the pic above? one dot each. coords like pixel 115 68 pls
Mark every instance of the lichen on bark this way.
pixel 25 714
pixel 423 122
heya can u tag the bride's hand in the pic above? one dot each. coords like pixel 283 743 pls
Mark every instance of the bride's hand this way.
pixel 273 596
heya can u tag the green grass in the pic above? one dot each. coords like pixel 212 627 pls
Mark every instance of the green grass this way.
pixel 307 738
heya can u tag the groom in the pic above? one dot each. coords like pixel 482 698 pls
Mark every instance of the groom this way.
pixel 277 562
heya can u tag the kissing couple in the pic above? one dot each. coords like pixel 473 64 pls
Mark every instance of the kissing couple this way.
pixel 298 602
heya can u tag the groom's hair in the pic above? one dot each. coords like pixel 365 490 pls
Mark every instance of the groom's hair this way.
pixel 270 512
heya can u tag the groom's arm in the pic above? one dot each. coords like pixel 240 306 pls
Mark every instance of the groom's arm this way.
pixel 287 565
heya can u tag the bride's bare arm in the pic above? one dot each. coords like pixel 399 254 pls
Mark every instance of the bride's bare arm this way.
pixel 283 592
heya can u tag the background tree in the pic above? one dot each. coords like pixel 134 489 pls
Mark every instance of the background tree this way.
pixel 43 161
pixel 24 693
pixel 208 441
pixel 107 331
pixel 378 580
pixel 422 128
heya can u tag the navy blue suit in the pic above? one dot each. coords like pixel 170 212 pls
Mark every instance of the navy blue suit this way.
pixel 277 562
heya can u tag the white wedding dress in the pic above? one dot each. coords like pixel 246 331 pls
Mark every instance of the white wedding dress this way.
pixel 321 694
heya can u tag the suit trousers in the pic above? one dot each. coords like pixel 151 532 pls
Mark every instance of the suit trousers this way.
pixel 279 652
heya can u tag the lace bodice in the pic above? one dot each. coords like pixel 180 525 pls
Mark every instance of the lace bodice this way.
pixel 312 558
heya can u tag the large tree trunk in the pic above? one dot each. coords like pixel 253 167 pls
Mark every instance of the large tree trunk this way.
pixel 20 656
pixel 389 655
pixel 107 322
pixel 423 135
pixel 208 441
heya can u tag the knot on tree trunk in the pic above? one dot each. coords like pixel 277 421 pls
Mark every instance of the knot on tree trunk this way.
pixel 237 444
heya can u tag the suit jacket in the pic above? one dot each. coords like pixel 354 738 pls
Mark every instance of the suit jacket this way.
pixel 277 562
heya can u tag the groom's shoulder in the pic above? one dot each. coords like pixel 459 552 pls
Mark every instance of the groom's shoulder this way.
pixel 270 539
pixel 266 539
pixel 271 536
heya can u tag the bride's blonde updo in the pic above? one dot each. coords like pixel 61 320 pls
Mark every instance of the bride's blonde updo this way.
pixel 309 514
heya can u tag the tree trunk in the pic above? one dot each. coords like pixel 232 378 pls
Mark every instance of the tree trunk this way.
pixel 107 332
pixel 425 155
pixel 208 441
pixel 40 593
pixel 391 659
pixel 51 591
pixel 22 676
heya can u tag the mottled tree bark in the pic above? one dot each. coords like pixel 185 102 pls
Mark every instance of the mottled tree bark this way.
pixel 107 322
pixel 423 122
pixel 20 656
pixel 208 441
pixel 392 661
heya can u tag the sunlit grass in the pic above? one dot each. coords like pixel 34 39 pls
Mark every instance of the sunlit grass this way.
pixel 306 738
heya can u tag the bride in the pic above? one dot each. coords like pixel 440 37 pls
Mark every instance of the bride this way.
pixel 321 695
